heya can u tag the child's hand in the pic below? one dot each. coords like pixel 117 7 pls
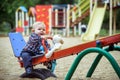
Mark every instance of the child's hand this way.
pixel 46 37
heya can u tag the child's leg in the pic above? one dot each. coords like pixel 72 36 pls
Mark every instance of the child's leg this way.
pixel 27 61
pixel 53 65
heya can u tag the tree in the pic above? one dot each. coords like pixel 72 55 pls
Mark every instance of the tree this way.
pixel 8 8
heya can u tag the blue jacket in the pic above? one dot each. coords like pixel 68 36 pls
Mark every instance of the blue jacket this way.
pixel 34 43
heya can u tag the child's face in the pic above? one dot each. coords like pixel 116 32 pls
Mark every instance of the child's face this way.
pixel 40 30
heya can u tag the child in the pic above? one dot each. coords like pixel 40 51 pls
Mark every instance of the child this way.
pixel 33 46
pixel 83 28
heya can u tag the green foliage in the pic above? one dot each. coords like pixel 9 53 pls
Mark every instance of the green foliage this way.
pixel 8 8
pixel 118 19
pixel 5 27
pixel 86 20
pixel 104 32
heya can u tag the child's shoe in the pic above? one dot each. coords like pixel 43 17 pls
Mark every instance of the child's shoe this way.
pixel 29 70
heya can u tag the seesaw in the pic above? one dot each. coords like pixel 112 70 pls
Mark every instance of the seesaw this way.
pixel 78 48
pixel 81 50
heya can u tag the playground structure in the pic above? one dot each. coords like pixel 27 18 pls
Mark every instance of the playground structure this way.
pixel 96 19
pixel 32 17
pixel 66 19
pixel 95 23
pixel 22 20
pixel 101 46
pixel 57 18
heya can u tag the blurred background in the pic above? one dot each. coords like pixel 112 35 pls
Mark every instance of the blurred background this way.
pixel 8 8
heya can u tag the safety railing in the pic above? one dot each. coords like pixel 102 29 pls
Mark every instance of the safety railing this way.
pixel 79 9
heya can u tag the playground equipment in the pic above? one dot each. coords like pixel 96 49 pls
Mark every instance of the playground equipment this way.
pixel 32 16
pixel 102 52
pixel 96 19
pixel 79 12
pixel 95 23
pixel 66 19
pixel 57 18
pixel 81 50
pixel 42 14
pixel 22 20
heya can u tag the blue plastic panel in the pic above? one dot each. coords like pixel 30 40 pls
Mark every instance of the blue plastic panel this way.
pixel 17 43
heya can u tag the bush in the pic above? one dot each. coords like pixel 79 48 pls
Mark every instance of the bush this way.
pixel 5 28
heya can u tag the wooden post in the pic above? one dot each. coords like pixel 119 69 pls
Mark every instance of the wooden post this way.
pixel 68 20
pixel 114 22
pixel 64 15
pixel 50 21
pixel 23 23
pixel 16 18
pixel 56 17
pixel 91 7
pixel 26 24
pixel 110 20
pixel 79 24
pixel 73 20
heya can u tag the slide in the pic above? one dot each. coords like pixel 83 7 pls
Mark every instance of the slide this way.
pixel 94 24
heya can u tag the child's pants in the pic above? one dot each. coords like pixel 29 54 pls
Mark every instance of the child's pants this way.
pixel 27 59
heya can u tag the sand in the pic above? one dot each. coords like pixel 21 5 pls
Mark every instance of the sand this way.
pixel 10 69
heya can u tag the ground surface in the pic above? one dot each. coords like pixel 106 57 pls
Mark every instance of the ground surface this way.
pixel 10 69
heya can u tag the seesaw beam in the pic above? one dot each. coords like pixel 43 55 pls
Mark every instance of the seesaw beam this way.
pixel 76 49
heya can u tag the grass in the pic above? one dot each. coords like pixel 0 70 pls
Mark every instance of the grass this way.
pixel 104 32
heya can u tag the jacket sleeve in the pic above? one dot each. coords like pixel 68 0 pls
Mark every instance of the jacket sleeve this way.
pixel 34 38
